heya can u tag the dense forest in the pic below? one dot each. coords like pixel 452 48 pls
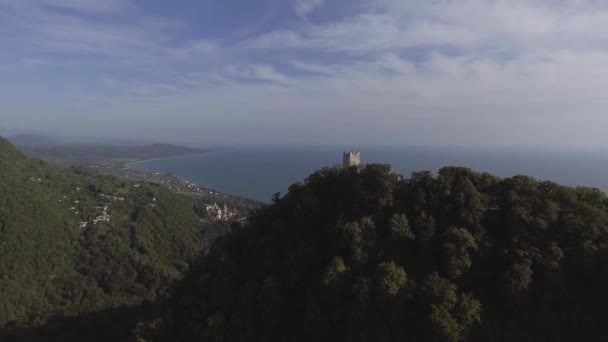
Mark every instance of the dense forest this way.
pixel 354 254
pixel 364 255
pixel 74 242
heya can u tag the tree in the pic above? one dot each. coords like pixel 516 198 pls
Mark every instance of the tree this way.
pixel 458 243
pixel 400 227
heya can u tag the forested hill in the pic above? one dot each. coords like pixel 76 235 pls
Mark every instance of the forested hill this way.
pixel 364 256
pixel 349 255
pixel 73 242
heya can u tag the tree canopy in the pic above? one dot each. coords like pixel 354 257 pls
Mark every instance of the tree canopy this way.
pixel 364 255
pixel 348 255
pixel 73 241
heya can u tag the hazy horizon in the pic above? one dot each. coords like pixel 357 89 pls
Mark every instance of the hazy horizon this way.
pixel 469 73
pixel 66 140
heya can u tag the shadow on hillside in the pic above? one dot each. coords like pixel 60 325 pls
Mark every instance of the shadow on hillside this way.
pixel 106 326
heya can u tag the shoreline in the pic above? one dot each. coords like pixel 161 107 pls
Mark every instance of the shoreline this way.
pixel 198 186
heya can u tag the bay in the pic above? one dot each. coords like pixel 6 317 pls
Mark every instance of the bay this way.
pixel 260 171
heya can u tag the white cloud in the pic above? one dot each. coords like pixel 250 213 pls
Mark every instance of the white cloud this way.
pixel 468 24
pixel 195 49
pixel 304 7
pixel 255 73
pixel 93 6
pixel 414 69
pixel 136 43
pixel 90 5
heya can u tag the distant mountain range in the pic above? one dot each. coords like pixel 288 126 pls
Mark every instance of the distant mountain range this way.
pixel 39 146
pixel 33 140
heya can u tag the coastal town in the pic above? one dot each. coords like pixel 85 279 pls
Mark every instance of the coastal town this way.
pixel 218 206
pixel 113 160
pixel 172 182
pixel 101 211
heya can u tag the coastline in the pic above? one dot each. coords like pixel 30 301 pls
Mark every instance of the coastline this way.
pixel 188 181
pixel 126 166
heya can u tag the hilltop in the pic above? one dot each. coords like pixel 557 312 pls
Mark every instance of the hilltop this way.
pixel 350 254
pixel 363 255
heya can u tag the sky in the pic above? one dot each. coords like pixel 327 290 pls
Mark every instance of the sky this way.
pixel 425 72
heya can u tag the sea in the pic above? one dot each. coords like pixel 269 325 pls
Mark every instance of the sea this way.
pixel 258 172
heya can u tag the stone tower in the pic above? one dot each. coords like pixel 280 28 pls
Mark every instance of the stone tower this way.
pixel 351 159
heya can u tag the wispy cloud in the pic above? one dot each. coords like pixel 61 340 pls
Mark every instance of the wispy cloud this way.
pixel 92 6
pixel 305 7
pixel 410 68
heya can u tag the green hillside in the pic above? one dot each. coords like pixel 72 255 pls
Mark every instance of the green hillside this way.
pixel 364 256
pixel 73 242
pixel 349 255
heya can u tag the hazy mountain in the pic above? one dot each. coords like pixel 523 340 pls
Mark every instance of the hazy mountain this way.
pixel 93 153
pixel 33 140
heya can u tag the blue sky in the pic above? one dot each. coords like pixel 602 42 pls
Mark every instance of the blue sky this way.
pixel 470 72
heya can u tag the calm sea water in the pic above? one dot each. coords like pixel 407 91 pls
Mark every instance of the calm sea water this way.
pixel 259 172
